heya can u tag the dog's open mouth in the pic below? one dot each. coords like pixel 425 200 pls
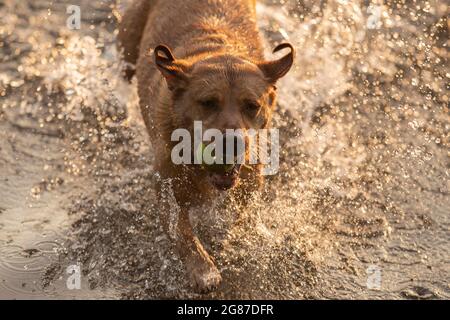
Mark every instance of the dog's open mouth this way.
pixel 225 180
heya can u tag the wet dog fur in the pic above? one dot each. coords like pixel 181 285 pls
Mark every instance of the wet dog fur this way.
pixel 199 60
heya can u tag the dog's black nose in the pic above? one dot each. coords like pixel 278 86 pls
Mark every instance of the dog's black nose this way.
pixel 233 148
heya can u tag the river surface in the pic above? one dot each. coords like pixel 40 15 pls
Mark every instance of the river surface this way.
pixel 360 208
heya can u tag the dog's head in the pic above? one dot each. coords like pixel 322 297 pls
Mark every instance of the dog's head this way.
pixel 223 91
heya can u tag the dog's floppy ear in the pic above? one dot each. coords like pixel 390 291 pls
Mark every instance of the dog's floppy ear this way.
pixel 274 70
pixel 174 70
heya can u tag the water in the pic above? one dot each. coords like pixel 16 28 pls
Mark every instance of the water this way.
pixel 359 208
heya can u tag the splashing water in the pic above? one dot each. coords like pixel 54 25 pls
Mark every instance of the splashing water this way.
pixel 363 181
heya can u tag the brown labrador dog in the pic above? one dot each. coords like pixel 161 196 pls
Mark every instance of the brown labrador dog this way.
pixel 207 66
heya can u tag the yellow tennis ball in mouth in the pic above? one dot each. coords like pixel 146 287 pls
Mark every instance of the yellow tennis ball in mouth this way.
pixel 210 163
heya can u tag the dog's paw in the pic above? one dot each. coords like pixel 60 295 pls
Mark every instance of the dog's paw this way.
pixel 205 277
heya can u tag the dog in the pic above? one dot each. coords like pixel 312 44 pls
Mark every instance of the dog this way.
pixel 200 60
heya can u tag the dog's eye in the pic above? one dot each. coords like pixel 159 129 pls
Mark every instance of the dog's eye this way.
pixel 211 103
pixel 252 107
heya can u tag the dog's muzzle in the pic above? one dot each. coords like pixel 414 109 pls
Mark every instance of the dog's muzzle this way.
pixel 224 174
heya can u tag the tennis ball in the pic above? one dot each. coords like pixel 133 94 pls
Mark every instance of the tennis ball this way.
pixel 213 166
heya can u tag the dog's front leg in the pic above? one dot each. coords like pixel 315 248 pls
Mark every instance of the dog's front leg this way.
pixel 199 265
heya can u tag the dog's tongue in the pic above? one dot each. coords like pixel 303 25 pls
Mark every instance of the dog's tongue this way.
pixel 225 181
